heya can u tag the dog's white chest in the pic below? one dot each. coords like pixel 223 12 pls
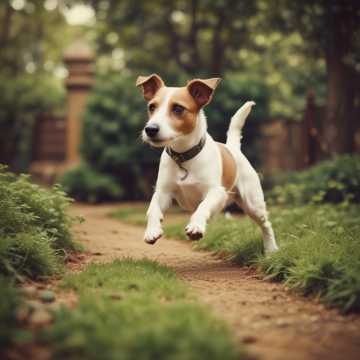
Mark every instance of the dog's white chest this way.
pixel 188 193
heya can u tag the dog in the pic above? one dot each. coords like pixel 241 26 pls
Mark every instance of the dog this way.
pixel 202 175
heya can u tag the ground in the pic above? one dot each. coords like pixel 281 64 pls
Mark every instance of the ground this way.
pixel 274 322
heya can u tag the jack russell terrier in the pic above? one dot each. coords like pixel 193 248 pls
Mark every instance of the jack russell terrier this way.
pixel 202 175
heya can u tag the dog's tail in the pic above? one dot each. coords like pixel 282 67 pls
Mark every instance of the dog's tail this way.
pixel 236 124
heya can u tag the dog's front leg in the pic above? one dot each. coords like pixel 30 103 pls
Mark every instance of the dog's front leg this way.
pixel 213 202
pixel 155 214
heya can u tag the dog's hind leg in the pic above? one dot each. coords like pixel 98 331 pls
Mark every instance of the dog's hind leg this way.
pixel 253 203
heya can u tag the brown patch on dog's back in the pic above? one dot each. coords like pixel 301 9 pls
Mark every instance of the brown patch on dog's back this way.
pixel 228 167
pixel 187 121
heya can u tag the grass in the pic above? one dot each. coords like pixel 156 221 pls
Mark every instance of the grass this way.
pixel 136 310
pixel 34 241
pixel 10 300
pixel 319 249
pixel 136 215
pixel 34 228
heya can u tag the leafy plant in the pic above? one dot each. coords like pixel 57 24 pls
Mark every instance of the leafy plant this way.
pixel 334 181
pixel 34 227
pixel 85 184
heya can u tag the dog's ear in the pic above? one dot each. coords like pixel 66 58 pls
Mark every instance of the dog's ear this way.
pixel 202 90
pixel 150 85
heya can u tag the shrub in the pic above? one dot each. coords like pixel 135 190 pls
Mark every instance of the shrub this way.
pixel 34 227
pixel 333 181
pixel 85 184
pixel 22 98
pixel 9 302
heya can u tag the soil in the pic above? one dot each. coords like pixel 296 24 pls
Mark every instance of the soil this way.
pixel 274 323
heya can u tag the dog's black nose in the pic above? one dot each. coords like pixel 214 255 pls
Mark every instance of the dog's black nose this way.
pixel 151 130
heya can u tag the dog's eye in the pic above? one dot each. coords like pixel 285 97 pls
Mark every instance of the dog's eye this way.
pixel 152 108
pixel 177 109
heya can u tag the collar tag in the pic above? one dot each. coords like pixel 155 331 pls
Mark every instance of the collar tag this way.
pixel 179 158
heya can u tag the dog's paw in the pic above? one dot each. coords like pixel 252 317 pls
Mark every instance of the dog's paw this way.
pixel 195 231
pixel 151 235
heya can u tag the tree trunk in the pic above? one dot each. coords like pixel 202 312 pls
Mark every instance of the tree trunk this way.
pixel 339 125
pixel 337 136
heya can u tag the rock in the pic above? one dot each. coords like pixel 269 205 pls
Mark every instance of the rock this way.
pixel 249 339
pixel 116 296
pixel 133 286
pixel 47 296
pixel 30 292
pixel 40 317
pixel 97 253
pixel 23 313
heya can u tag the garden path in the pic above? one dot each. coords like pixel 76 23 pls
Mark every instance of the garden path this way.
pixel 274 323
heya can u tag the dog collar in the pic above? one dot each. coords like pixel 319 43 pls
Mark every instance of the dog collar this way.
pixel 179 158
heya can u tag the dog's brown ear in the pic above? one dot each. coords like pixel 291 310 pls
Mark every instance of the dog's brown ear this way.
pixel 150 85
pixel 202 89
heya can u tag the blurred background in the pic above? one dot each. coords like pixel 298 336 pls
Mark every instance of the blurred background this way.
pixel 70 112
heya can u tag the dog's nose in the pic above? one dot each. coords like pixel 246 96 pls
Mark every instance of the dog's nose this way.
pixel 151 130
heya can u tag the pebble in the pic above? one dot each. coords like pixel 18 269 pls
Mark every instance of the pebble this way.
pixel 40 317
pixel 30 291
pixel 47 296
pixel 116 296
pixel 249 339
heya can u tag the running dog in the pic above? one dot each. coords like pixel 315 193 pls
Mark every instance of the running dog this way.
pixel 202 175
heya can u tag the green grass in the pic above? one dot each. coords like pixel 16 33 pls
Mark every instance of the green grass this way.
pixel 319 249
pixel 10 300
pixel 34 227
pixel 136 215
pixel 136 310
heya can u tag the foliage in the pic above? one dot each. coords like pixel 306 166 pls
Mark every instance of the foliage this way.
pixel 332 181
pixel 85 184
pixel 31 40
pixel 319 249
pixel 137 309
pixel 233 92
pixel 9 302
pixel 34 227
pixel 22 98
pixel 112 123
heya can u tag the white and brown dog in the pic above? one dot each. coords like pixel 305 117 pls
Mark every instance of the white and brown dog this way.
pixel 203 176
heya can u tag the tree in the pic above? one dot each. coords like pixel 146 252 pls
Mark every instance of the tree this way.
pixel 31 42
pixel 195 36
pixel 331 29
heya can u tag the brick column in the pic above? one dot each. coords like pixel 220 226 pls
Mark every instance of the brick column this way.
pixel 79 60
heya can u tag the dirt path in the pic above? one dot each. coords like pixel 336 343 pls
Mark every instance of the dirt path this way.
pixel 275 324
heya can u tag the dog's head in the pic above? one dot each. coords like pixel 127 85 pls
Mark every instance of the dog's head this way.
pixel 173 111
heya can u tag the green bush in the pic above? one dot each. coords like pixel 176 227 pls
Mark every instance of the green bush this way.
pixel 85 184
pixel 34 227
pixel 332 181
pixel 22 99
pixel 9 302
pixel 115 116
pixel 232 93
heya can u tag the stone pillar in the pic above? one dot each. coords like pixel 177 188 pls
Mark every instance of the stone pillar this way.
pixel 79 60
